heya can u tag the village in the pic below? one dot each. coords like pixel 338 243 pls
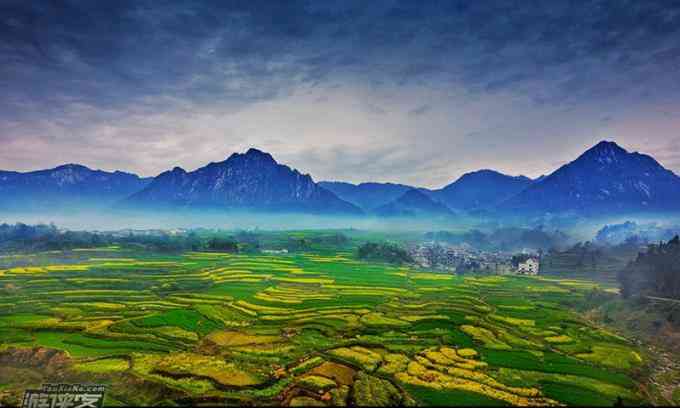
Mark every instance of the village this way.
pixel 461 259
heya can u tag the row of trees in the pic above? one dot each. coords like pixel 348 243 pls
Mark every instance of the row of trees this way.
pixel 22 237
pixel 655 272
pixel 42 237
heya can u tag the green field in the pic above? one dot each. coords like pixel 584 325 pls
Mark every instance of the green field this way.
pixel 315 327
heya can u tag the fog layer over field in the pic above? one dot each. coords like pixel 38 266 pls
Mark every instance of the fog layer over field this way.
pixel 77 220
pixel 578 228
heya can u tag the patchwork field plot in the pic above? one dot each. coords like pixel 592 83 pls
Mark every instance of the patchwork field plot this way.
pixel 316 328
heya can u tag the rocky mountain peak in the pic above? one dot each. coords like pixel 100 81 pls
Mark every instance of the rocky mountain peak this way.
pixel 604 179
pixel 252 180
pixel 605 152
pixel 252 156
pixel 72 167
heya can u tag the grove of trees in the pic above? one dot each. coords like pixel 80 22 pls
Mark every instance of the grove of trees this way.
pixel 655 272
pixel 30 238
pixel 384 252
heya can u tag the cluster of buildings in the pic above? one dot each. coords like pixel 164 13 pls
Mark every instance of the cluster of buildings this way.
pixel 528 267
pixel 464 259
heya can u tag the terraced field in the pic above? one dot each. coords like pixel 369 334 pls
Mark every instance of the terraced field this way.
pixel 318 328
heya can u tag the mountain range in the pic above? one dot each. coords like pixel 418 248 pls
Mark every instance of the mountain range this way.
pixel 604 180
pixel 70 185
pixel 474 190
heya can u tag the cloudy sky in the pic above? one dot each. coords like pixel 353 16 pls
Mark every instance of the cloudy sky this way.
pixel 401 91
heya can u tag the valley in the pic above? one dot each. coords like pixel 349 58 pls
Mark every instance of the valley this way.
pixel 339 203
pixel 311 327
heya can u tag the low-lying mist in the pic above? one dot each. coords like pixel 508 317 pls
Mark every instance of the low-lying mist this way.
pixel 117 220
pixel 578 228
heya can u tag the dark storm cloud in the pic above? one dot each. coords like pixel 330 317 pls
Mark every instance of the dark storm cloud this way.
pixel 72 64
pixel 109 52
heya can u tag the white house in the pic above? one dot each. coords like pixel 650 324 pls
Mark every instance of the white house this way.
pixel 528 267
pixel 274 251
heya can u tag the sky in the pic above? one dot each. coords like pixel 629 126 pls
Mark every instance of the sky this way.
pixel 389 91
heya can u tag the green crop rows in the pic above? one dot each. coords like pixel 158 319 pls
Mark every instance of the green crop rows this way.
pixel 318 327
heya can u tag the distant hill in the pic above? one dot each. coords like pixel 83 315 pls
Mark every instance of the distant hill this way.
pixel 65 187
pixel 504 239
pixel 605 179
pixel 413 203
pixel 633 232
pixel 366 195
pixel 480 189
pixel 475 190
pixel 248 181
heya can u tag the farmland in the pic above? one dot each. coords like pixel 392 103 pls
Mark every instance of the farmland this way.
pixel 315 327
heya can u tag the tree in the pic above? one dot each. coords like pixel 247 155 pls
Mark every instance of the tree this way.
pixel 223 244
pixel 298 244
pixel 384 252
pixel 655 272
